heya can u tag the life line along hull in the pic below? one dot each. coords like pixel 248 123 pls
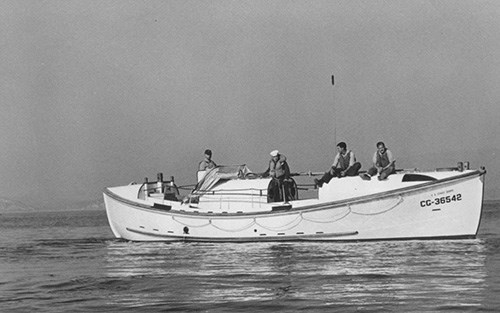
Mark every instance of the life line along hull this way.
pixel 447 208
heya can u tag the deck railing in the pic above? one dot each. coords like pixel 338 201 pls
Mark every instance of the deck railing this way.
pixel 170 191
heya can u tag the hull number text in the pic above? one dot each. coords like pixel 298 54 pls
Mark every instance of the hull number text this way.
pixel 441 200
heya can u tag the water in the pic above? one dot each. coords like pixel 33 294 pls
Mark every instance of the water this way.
pixel 70 262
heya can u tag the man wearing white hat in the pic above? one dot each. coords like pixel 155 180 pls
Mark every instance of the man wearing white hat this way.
pixel 279 170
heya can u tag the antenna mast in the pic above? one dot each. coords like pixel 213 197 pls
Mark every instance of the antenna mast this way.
pixel 334 113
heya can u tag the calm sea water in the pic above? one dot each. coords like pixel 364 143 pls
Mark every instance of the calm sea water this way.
pixel 70 262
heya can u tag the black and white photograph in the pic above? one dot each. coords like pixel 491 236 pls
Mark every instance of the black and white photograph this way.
pixel 250 156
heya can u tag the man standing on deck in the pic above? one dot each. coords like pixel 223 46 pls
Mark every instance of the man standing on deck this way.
pixel 343 165
pixel 278 167
pixel 383 163
pixel 280 172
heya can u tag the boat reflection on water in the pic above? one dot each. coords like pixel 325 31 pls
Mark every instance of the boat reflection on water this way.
pixel 405 275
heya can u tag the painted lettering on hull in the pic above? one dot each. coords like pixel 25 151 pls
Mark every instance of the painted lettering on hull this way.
pixel 441 200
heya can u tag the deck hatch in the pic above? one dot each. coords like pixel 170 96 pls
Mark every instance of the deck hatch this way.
pixel 417 177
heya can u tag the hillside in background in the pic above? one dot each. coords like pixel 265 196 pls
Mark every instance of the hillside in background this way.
pixel 90 205
pixel 14 206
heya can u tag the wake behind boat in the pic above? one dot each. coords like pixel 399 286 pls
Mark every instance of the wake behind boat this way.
pixel 232 204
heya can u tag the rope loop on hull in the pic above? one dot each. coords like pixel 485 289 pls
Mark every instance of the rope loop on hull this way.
pixel 235 230
pixel 329 221
pixel 192 226
pixel 293 223
pixel 296 222
pixel 400 200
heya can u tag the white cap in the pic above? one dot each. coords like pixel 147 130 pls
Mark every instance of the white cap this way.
pixel 274 153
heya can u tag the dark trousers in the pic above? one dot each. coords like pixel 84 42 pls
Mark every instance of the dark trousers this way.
pixel 383 175
pixel 281 189
pixel 353 171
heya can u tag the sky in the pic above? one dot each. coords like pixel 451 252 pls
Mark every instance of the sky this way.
pixel 101 93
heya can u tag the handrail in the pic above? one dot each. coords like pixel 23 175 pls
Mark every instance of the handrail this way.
pixel 145 188
pixel 187 187
pixel 232 192
pixel 220 192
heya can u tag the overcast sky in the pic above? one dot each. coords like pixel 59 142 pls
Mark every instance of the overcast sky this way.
pixel 102 93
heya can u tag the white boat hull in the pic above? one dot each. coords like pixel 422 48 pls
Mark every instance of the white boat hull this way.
pixel 448 207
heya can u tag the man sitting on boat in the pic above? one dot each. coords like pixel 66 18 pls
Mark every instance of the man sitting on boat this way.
pixel 383 163
pixel 343 165
pixel 280 172
pixel 205 165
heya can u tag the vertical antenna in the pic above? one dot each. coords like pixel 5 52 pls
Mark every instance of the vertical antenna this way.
pixel 334 113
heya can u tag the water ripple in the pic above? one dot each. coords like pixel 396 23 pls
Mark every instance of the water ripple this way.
pixel 87 270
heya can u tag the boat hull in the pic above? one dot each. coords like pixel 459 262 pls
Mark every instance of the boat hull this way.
pixel 448 208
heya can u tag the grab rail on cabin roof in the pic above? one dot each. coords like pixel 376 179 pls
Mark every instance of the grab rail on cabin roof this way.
pixel 159 186
pixel 153 187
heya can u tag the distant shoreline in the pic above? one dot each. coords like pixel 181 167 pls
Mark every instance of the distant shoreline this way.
pixel 39 211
